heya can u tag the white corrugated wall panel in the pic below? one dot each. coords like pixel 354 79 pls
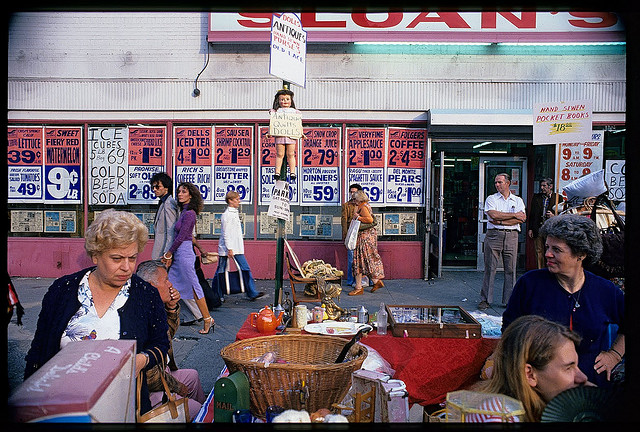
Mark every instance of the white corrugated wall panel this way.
pixel 352 95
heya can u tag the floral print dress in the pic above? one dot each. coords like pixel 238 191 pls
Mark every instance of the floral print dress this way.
pixel 366 259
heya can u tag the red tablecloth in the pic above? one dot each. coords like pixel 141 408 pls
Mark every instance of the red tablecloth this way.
pixel 430 367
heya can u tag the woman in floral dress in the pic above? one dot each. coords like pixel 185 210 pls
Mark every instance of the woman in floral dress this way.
pixel 366 259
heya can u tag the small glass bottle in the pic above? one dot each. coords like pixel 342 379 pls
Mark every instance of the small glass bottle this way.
pixel 382 320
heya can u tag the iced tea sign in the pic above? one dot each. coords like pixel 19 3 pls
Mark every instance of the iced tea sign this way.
pixel 193 159
pixel 555 123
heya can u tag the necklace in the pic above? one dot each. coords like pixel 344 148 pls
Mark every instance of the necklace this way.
pixel 576 300
pixel 576 305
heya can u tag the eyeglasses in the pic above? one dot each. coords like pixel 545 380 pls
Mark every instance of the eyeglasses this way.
pixel 156 186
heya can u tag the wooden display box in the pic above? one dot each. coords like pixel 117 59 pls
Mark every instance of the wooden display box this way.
pixel 432 321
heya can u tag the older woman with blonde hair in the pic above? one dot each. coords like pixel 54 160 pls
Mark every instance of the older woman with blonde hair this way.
pixel 106 301
pixel 534 361
pixel 366 259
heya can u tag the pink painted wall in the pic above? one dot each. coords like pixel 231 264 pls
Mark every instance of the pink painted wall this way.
pixel 52 258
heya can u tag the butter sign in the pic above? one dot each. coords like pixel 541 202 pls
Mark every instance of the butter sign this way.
pixel 287 124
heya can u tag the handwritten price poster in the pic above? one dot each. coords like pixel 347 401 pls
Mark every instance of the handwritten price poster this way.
pixel 146 157
pixel 108 165
pixel 406 166
pixel 321 166
pixel 267 169
pixel 233 163
pixel 25 148
pixel 193 160
pixel 562 122
pixel 63 165
pixel 366 161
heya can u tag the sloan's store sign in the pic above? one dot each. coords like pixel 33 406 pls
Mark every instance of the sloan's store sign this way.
pixel 492 27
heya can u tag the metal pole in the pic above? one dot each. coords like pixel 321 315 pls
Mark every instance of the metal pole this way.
pixel 280 233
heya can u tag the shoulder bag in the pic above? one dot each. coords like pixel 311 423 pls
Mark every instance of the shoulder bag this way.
pixel 172 411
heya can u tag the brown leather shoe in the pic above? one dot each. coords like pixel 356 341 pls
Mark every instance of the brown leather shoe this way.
pixel 357 291
pixel 377 285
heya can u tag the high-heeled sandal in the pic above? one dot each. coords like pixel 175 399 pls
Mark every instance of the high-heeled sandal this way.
pixel 377 285
pixel 356 291
pixel 211 326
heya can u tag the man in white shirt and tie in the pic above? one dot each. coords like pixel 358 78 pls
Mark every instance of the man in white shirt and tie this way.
pixel 505 212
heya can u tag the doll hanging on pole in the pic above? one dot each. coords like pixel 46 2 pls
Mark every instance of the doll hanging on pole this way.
pixel 285 126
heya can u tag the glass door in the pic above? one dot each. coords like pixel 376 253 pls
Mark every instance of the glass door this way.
pixel 436 213
pixel 489 167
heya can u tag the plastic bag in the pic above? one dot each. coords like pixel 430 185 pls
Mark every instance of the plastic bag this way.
pixel 376 363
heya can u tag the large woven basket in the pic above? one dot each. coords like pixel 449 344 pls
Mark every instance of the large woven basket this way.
pixel 311 360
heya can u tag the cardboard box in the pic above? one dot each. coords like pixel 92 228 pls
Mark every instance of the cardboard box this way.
pixel 432 321
pixel 87 381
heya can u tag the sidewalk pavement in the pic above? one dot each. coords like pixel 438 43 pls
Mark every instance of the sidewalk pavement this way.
pixel 201 352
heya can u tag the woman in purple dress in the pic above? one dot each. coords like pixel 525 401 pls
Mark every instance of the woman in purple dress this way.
pixel 181 256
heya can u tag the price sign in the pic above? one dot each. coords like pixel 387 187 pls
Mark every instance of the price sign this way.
pixel 562 122
pixel 107 148
pixel 146 157
pixel 406 166
pixel 577 159
pixel 615 173
pixel 63 164
pixel 233 163
pixel 24 147
pixel 366 161
pixel 320 166
pixel 193 159
pixel 267 169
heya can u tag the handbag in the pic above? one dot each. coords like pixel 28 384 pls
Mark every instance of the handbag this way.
pixel 172 411
pixel 352 234
pixel 366 226
pixel 231 282
pixel 611 262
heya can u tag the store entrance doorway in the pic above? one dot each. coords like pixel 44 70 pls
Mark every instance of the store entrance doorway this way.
pixel 489 167
pixel 454 192
pixel 459 187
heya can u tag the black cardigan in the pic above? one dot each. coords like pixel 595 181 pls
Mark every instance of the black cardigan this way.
pixel 142 318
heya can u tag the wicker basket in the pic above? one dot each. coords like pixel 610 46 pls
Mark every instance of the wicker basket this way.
pixel 310 360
